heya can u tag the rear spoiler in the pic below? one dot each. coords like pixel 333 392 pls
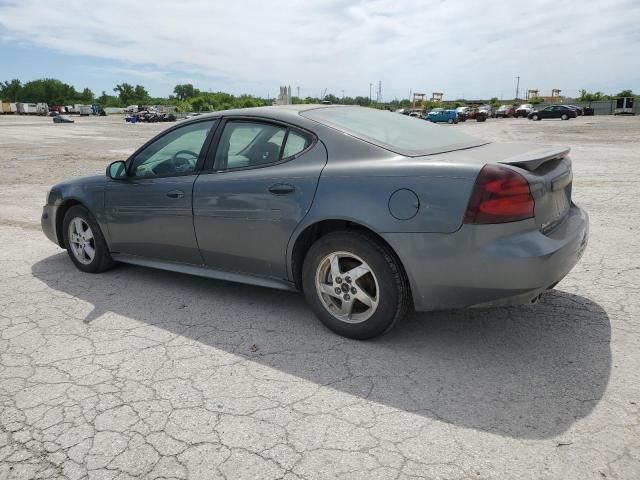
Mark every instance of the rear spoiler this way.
pixel 534 158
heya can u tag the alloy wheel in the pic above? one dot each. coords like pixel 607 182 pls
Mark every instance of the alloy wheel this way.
pixel 347 287
pixel 81 241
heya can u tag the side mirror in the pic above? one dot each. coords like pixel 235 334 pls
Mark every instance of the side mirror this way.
pixel 117 170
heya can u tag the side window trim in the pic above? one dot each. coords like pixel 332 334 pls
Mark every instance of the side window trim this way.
pixel 202 155
pixel 211 167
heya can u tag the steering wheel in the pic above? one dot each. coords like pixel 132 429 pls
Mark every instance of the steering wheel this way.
pixel 180 163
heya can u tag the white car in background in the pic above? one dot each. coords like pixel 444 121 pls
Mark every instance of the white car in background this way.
pixel 524 110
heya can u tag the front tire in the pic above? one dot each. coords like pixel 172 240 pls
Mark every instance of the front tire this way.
pixel 535 118
pixel 565 116
pixel 355 285
pixel 84 241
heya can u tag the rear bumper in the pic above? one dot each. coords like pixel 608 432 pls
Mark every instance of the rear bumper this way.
pixel 48 223
pixel 483 265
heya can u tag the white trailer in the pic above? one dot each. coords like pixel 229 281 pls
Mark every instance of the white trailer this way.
pixel 84 110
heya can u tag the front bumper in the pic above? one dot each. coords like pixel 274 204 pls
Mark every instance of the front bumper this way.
pixel 48 223
pixel 483 265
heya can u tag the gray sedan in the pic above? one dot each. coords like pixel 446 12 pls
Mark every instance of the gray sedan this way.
pixel 367 212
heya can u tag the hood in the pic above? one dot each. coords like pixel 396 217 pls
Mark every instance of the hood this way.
pixel 82 182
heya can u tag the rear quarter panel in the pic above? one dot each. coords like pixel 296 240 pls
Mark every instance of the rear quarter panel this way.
pixel 360 178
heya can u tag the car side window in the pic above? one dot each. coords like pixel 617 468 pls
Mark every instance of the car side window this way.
pixel 296 143
pixel 246 144
pixel 175 153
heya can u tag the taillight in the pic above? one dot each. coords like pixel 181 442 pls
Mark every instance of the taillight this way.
pixel 499 195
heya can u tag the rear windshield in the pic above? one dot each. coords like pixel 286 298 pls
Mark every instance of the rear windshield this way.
pixel 398 133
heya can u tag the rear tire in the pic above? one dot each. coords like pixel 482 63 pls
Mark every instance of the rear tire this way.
pixel 450 121
pixel 85 242
pixel 535 118
pixel 335 293
pixel 564 116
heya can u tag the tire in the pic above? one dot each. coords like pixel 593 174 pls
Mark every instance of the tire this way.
pixel 564 116
pixel 535 118
pixel 93 240
pixel 450 121
pixel 386 284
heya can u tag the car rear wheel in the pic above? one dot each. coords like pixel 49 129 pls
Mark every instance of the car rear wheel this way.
pixel 355 285
pixel 84 241
pixel 450 121
pixel 565 116
pixel 535 118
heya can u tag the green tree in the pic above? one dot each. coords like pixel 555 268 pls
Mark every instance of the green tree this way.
pixel 536 100
pixel 125 92
pixel 140 94
pixel 10 90
pixel 591 96
pixel 185 91
pixel 494 101
pixel 625 93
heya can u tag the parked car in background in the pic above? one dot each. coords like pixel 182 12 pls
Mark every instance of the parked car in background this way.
pixel 416 112
pixel 463 113
pixel 553 111
pixel 367 213
pixel 505 111
pixel 486 110
pixel 579 110
pixel 524 110
pixel 438 115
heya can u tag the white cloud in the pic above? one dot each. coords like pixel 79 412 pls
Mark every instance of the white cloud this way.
pixel 460 48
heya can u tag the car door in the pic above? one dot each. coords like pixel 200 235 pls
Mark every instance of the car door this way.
pixel 149 211
pixel 262 184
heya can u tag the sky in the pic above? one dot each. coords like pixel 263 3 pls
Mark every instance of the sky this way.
pixel 465 49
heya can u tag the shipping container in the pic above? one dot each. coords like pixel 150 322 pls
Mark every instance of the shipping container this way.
pixel 13 107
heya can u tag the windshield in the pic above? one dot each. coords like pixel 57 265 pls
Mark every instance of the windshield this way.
pixel 397 133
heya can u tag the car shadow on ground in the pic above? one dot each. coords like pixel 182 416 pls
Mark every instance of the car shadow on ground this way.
pixel 523 372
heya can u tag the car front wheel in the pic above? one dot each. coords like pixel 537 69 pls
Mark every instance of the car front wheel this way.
pixel 84 241
pixel 355 285
pixel 565 116
pixel 535 117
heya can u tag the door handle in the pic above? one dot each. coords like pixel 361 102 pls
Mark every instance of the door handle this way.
pixel 175 194
pixel 282 189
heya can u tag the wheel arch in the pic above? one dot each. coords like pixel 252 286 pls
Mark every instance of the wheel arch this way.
pixel 312 232
pixel 60 213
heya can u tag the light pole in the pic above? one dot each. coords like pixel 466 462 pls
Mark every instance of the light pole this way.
pixel 298 91
pixel 370 86
pixel 517 87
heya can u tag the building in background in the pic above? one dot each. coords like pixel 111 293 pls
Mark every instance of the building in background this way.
pixel 284 97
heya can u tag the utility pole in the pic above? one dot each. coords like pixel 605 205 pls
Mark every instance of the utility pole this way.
pixel 298 91
pixel 379 91
pixel 370 87
pixel 517 87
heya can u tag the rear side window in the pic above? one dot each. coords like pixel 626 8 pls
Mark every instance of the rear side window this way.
pixel 246 144
pixel 392 131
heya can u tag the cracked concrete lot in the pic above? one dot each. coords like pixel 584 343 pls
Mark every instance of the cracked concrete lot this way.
pixel 137 373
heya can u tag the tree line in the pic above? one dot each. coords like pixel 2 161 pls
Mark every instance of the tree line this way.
pixel 187 98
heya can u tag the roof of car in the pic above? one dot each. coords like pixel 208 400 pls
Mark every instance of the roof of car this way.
pixel 281 112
